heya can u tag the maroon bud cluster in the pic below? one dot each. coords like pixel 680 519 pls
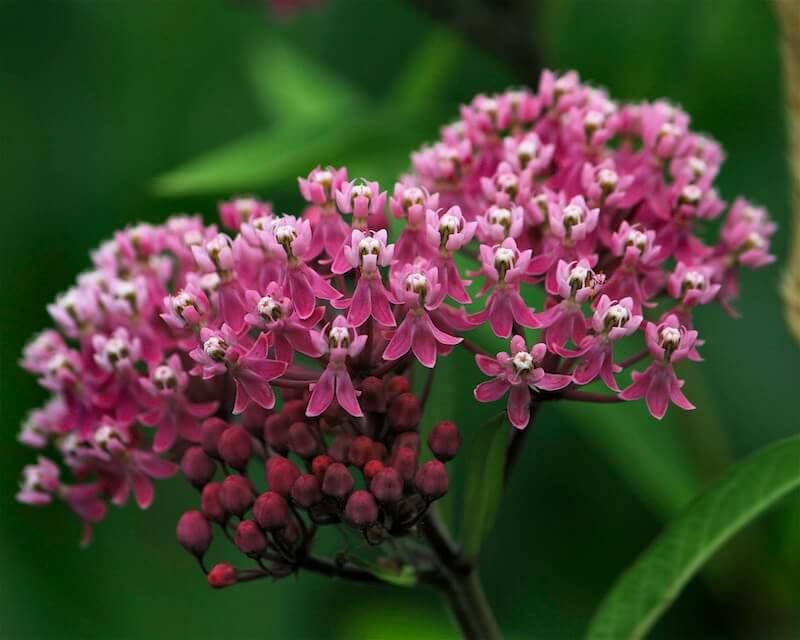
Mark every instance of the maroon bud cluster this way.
pixel 366 474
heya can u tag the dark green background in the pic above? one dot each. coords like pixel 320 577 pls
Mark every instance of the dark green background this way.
pixel 98 97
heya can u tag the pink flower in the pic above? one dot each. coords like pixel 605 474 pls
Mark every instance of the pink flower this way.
pixel 499 223
pixel 668 343
pixel 449 232
pixel 168 408
pixel 611 321
pixel 692 285
pixel 577 284
pixel 528 154
pixel 367 251
pixel 321 185
pixel 187 309
pixel 287 331
pixel 340 341
pixel 518 374
pixel 603 185
pixel 221 352
pixel 117 379
pixel 361 198
pixel 412 203
pixel 418 287
pixel 639 275
pixel 234 212
pixel 504 267
pixel 217 256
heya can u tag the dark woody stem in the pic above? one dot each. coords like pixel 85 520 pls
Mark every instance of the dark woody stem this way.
pixel 460 584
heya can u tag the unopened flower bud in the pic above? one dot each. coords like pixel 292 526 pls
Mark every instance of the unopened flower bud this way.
pixel 405 412
pixel 306 490
pixel 302 440
pixel 250 538
pixel 387 485
pixel 211 431
pixel 236 495
pixel 281 475
pixel 404 460
pixel 361 509
pixel 396 386
pixel 293 410
pixel 371 468
pixel 320 465
pixel 271 511
pixel 210 503
pixel 222 575
pixel 361 451
pixel 276 432
pixel 431 480
pixel 408 439
pixel 337 482
pixel 194 533
pixel 235 447
pixel 373 395
pixel 379 451
pixel 444 440
pixel 197 467
pixel 340 447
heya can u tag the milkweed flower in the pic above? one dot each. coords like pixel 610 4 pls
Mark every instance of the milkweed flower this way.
pixel 289 340
pixel 517 373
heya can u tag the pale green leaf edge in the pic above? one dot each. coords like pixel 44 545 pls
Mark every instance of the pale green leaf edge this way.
pixel 650 585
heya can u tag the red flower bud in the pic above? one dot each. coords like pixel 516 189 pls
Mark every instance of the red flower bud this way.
pixel 431 480
pixel 236 495
pixel 306 490
pixel 197 467
pixel 379 451
pixel 281 475
pixel 444 440
pixel 361 509
pixel 211 431
pixel 373 395
pixel 338 482
pixel 271 510
pixel 222 575
pixel 276 432
pixel 320 465
pixel 253 419
pixel 371 468
pixel 387 485
pixel 340 447
pixel 194 533
pixel 294 410
pixel 397 385
pixel 361 451
pixel 210 504
pixel 235 447
pixel 302 440
pixel 404 461
pixel 405 412
pixel 250 538
pixel 408 439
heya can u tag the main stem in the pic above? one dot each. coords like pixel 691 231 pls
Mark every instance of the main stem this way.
pixel 460 584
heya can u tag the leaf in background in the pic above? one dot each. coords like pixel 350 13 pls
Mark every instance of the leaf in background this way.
pixel 645 590
pixel 293 86
pixel 425 74
pixel 484 483
pixel 404 576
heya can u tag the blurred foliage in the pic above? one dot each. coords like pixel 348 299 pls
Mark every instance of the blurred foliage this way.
pixel 107 107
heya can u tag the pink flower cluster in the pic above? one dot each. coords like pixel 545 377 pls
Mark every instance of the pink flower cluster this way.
pixel 582 219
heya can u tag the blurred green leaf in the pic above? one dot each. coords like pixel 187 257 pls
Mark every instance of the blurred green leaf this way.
pixel 404 576
pixel 293 86
pixel 423 78
pixel 484 483
pixel 645 590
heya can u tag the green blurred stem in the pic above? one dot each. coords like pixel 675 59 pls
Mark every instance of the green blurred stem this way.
pixel 470 607
pixel 459 583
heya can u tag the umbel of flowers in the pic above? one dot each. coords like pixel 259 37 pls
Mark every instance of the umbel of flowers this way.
pixel 269 359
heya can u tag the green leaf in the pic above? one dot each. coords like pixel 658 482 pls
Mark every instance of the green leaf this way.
pixel 645 590
pixel 402 576
pixel 292 86
pixel 484 483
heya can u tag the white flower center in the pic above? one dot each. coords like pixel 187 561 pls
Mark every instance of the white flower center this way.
pixel 448 224
pixel 269 309
pixel 165 378
pixel 285 233
pixel 508 182
pixel 501 216
pixel 593 120
pixel 694 280
pixel 215 348
pixel 579 277
pixel 369 245
pixel 573 215
pixel 504 259
pixel 522 361
pixel 670 338
pixel 607 179
pixel 636 239
pixel 617 316
pixel 697 166
pixel 412 196
pixel 116 349
pixel 691 194
pixel 323 177
pixel 417 282
pixel 339 337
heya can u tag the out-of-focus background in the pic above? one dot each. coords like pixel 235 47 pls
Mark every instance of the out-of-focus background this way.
pixel 112 112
